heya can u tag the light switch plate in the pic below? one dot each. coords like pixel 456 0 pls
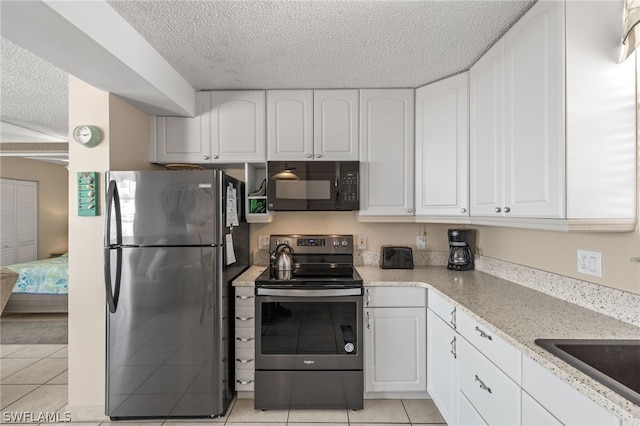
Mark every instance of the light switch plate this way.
pixel 361 242
pixel 421 242
pixel 263 242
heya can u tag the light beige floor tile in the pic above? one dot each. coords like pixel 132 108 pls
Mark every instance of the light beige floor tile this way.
pixel 60 379
pixel 422 411
pixel 11 393
pixel 381 424
pixel 423 424
pixel 318 424
pixel 6 350
pixel 380 411
pixel 46 398
pixel 9 366
pixel 36 351
pixel 62 353
pixel 318 416
pixel 37 373
pixel 243 411
pixel 261 423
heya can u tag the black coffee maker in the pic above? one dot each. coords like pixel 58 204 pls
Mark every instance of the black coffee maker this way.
pixel 461 246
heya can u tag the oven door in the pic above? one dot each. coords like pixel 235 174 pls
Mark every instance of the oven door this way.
pixel 316 329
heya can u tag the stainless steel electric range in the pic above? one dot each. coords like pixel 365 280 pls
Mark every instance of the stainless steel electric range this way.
pixel 309 351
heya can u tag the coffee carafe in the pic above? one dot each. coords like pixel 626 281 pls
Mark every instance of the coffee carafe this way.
pixel 461 246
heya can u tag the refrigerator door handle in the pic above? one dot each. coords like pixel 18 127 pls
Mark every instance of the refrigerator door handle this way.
pixel 113 200
pixel 113 293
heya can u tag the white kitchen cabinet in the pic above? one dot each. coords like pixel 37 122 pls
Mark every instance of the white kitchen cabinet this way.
pixel 244 320
pixel 387 153
pixel 534 414
pixel 467 414
pixel 442 366
pixel 442 147
pixel 562 401
pixel 517 144
pixel 395 342
pixel 183 139
pixel 491 392
pixel 238 126
pixel 290 124
pixel 335 125
pixel 552 119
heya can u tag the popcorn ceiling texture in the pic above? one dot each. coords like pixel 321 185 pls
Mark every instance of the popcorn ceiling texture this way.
pixel 278 45
pixel 320 44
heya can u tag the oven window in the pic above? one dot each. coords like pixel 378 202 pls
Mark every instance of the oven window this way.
pixel 301 328
pixel 303 190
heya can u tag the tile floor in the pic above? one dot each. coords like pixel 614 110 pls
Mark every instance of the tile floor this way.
pixel 33 379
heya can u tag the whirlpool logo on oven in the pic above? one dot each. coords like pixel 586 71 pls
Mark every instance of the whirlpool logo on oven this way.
pixel 309 362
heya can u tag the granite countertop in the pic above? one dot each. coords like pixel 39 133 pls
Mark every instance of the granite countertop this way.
pixel 517 314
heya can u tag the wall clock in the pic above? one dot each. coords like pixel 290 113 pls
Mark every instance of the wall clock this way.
pixel 87 135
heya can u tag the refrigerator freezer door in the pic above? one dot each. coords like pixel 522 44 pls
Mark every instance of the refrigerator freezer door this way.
pixel 165 339
pixel 166 207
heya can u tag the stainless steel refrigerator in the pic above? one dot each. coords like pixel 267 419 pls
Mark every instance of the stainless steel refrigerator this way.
pixel 174 240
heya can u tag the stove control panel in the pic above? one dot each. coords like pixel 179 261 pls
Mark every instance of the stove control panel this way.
pixel 314 244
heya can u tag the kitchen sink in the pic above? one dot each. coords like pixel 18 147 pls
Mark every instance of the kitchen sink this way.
pixel 614 363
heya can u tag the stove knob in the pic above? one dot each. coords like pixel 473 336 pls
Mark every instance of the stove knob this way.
pixel 336 244
pixel 345 243
pixel 349 347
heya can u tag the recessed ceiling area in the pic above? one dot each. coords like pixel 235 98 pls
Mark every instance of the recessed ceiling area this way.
pixel 268 45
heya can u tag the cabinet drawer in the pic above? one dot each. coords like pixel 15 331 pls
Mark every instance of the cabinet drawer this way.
pixel 534 414
pixel 467 415
pixel 244 380
pixel 245 338
pixel 567 404
pixel 501 353
pixel 442 308
pixel 395 297
pixel 245 316
pixel 490 391
pixel 245 296
pixel 245 359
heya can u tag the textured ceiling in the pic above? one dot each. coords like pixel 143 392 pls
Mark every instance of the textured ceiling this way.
pixel 276 45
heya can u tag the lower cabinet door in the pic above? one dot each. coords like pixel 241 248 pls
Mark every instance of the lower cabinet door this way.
pixel 492 393
pixel 467 415
pixel 396 349
pixel 442 366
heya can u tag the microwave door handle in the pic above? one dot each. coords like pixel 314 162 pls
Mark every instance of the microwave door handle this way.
pixel 337 184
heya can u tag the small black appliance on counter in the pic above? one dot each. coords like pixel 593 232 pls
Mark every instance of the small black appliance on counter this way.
pixel 461 246
pixel 396 257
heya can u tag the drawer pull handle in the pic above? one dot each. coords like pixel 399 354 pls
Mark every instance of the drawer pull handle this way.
pixel 453 347
pixel 368 321
pixel 244 318
pixel 483 334
pixel 244 382
pixel 368 298
pixel 244 339
pixel 244 361
pixel 482 385
pixel 244 297
pixel 453 318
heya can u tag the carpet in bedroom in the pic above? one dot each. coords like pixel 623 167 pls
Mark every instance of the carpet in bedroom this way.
pixel 29 329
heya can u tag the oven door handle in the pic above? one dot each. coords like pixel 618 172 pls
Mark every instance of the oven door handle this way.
pixel 309 293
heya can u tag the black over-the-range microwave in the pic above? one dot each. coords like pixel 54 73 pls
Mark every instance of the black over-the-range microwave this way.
pixel 313 185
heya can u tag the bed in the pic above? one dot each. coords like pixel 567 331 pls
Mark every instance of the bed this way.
pixel 42 286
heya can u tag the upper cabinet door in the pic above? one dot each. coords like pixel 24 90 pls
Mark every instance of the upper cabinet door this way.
pixel 290 124
pixel 534 107
pixel 442 147
pixel 184 140
pixel 486 118
pixel 238 126
pixel 387 152
pixel 335 125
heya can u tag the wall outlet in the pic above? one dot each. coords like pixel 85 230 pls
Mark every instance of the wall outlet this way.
pixel 590 263
pixel 421 242
pixel 263 242
pixel 361 241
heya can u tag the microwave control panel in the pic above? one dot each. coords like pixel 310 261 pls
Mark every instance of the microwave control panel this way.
pixel 349 186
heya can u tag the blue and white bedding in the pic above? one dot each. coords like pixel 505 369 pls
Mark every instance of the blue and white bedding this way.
pixel 48 276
